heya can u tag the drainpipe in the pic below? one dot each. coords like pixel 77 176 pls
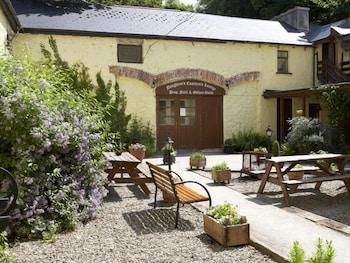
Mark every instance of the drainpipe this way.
pixel 313 66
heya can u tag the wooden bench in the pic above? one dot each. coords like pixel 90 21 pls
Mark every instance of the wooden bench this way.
pixel 165 181
pixel 317 179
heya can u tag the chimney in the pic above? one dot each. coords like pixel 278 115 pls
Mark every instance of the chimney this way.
pixel 297 17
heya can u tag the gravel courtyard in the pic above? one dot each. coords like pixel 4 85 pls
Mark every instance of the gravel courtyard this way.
pixel 127 229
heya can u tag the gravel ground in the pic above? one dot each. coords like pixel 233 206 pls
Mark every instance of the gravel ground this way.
pixel 127 229
pixel 332 201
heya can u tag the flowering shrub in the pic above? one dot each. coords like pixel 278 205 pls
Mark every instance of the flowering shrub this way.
pixel 137 147
pixel 51 139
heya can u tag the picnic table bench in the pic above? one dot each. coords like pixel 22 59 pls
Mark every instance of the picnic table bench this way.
pixel 139 173
pixel 322 174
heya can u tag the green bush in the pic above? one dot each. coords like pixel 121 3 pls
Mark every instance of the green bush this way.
pixel 297 253
pixel 276 149
pixel 248 140
pixel 305 135
pixel 52 141
pixel 228 142
pixel 226 214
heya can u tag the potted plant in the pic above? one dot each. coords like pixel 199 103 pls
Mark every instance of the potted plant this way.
pixel 297 173
pixel 221 173
pixel 260 150
pixel 169 154
pixel 226 226
pixel 138 150
pixel 197 159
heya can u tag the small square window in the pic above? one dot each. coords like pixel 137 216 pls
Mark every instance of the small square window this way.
pixel 282 61
pixel 129 54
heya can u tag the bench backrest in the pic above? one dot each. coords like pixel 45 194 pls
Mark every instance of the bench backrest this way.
pixel 162 178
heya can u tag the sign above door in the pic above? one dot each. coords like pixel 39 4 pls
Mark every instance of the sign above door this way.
pixel 190 87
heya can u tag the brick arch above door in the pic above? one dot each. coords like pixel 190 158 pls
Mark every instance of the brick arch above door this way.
pixel 156 80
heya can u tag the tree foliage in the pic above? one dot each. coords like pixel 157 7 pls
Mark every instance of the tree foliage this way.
pixel 168 4
pixel 320 11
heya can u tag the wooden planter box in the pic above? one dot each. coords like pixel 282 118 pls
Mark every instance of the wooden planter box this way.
pixel 198 163
pixel 226 235
pixel 221 176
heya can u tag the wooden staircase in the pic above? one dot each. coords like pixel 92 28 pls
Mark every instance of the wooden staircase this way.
pixel 329 73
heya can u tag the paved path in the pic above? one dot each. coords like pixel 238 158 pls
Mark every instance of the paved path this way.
pixel 271 227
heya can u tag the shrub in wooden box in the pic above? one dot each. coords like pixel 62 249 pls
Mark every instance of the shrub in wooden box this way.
pixel 197 159
pixel 221 173
pixel 224 225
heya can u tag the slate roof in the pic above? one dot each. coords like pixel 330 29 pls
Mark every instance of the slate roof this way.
pixel 151 23
pixel 341 28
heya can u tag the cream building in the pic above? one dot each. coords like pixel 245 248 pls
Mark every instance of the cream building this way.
pixel 195 77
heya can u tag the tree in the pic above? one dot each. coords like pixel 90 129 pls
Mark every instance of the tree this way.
pixel 320 11
pixel 169 4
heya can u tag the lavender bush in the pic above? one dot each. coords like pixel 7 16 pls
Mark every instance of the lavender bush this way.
pixel 51 139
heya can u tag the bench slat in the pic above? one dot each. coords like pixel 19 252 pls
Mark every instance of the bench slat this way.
pixel 317 179
pixel 186 195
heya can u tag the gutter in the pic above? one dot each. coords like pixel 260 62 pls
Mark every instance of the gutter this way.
pixel 67 32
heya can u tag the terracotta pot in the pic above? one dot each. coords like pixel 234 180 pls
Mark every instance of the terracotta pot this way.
pixel 234 235
pixel 139 154
pixel 198 163
pixel 221 176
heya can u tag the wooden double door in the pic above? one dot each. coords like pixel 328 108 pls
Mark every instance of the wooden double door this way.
pixel 193 122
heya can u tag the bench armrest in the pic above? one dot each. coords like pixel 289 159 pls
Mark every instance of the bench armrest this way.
pixel 194 182
pixel 172 172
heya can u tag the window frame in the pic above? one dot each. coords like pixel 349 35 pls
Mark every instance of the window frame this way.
pixel 283 57
pixel 130 45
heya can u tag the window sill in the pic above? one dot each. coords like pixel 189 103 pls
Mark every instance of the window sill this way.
pixel 284 73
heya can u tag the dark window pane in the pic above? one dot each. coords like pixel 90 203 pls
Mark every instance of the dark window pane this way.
pixel 282 61
pixel 129 54
pixel 187 121
pixel 166 120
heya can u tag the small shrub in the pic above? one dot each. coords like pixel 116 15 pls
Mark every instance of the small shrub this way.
pixel 137 147
pixel 220 167
pixel 5 256
pixel 324 253
pixel 248 140
pixel 228 142
pixel 197 156
pixel 226 214
pixel 305 135
pixel 297 253
pixel 276 149
pixel 168 149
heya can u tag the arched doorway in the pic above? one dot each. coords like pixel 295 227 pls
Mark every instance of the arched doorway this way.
pixel 191 113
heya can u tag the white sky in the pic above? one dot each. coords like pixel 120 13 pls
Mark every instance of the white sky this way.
pixel 189 2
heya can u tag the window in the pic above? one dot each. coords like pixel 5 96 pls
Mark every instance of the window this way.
pixel 282 61
pixel 314 111
pixel 166 112
pixel 129 53
pixel 187 112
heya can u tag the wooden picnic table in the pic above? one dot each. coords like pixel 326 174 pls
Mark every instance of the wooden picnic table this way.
pixel 127 163
pixel 284 164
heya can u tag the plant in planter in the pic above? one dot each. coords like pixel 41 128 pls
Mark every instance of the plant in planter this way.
pixel 197 159
pixel 260 150
pixel 169 154
pixel 138 150
pixel 221 173
pixel 297 173
pixel 226 226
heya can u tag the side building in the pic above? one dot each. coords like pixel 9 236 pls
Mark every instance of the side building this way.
pixel 195 77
